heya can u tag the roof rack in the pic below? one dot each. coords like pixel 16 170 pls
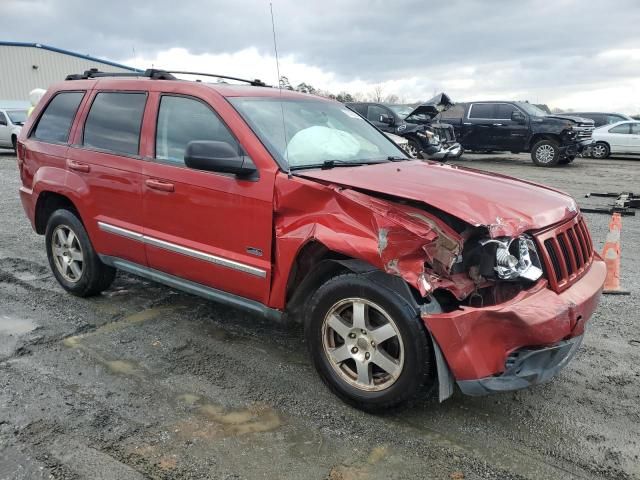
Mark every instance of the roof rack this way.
pixel 156 74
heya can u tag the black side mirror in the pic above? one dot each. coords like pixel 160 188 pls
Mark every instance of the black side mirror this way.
pixel 387 119
pixel 3 121
pixel 218 157
pixel 518 116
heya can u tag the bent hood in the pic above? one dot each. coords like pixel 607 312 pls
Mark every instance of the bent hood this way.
pixel 431 108
pixel 505 205
pixel 573 118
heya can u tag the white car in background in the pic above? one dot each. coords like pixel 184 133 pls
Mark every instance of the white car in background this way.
pixel 619 137
pixel 11 120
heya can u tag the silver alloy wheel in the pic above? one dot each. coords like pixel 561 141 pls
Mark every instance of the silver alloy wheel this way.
pixel 599 151
pixel 67 253
pixel 545 153
pixel 363 344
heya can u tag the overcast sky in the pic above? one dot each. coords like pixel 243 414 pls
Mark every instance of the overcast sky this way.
pixel 568 54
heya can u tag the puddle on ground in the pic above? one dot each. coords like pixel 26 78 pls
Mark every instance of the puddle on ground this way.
pixel 133 319
pixel 219 421
pixel 361 470
pixel 122 367
pixel 15 326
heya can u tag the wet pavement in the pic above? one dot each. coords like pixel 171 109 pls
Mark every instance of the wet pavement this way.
pixel 147 382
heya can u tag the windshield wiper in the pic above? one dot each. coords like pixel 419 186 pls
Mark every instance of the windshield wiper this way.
pixel 392 158
pixel 327 164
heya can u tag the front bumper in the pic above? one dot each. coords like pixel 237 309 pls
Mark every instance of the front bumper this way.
pixel 443 153
pixel 526 367
pixel 477 343
pixel 577 148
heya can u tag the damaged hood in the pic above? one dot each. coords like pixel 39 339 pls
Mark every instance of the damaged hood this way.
pixel 505 205
pixel 572 118
pixel 431 108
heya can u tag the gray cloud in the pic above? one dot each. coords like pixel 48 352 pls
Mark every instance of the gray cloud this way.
pixel 540 43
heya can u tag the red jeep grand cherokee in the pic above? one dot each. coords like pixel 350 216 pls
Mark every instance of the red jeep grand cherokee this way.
pixel 407 275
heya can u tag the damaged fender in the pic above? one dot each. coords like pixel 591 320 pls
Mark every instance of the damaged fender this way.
pixel 395 238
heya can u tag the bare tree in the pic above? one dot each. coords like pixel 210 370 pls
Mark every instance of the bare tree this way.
pixel 378 94
pixel 392 98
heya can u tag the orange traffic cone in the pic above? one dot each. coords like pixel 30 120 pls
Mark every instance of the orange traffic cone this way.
pixel 611 255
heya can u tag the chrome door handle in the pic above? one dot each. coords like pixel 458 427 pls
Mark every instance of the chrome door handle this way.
pixel 159 185
pixel 497 124
pixel 78 167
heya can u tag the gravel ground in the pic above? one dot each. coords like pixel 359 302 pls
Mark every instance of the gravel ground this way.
pixel 147 382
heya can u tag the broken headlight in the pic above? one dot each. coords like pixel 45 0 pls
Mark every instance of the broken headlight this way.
pixel 516 258
pixel 506 258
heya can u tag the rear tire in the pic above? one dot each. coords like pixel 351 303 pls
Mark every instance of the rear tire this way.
pixel 545 153
pixel 72 258
pixel 14 144
pixel 600 151
pixel 369 369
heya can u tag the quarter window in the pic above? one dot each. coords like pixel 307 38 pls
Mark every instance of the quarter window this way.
pixel 623 128
pixel 182 120
pixel 114 122
pixel 55 123
pixel 482 110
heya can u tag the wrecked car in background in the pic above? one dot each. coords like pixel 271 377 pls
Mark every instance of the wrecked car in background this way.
pixel 402 142
pixel 408 275
pixel 427 138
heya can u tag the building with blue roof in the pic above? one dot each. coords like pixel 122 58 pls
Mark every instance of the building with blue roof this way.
pixel 25 66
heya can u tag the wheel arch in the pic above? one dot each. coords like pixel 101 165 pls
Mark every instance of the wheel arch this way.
pixel 47 203
pixel 543 136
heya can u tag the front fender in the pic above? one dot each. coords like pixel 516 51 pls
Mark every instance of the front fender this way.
pixel 400 240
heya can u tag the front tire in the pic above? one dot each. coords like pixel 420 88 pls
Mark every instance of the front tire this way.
pixel 545 153
pixel 600 151
pixel 368 345
pixel 72 258
pixel 413 149
pixel 14 144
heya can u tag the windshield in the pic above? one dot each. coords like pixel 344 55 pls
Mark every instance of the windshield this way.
pixel 302 133
pixel 532 109
pixel 18 117
pixel 401 110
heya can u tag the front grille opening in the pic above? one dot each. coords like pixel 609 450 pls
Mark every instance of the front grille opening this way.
pixel 575 246
pixel 582 242
pixel 565 253
pixel 548 244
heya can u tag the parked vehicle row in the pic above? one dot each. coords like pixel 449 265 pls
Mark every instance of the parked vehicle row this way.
pixel 520 127
pixel 408 276
pixel 620 137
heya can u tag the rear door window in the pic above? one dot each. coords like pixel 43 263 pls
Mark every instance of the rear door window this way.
pixel 55 122
pixel 114 122
pixel 182 120
pixel 482 110
pixel 635 129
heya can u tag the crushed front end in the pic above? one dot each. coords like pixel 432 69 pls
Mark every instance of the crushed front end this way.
pixel 493 343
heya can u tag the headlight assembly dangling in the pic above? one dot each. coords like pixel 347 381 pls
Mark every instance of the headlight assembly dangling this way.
pixel 516 258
